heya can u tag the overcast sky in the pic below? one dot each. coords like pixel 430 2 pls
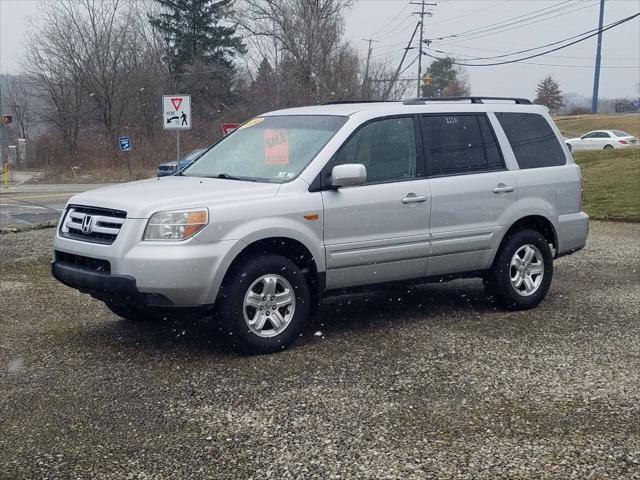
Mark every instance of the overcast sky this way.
pixel 391 22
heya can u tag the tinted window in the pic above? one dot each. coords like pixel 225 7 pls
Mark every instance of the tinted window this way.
pixel 620 133
pixel 591 135
pixel 533 141
pixel 491 148
pixel 602 135
pixel 460 144
pixel 387 148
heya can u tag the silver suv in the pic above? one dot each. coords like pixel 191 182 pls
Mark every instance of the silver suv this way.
pixel 299 203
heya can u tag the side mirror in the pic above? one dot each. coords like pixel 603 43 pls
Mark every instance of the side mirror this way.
pixel 348 175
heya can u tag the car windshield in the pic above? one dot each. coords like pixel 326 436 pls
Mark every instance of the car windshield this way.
pixel 193 155
pixel 620 133
pixel 268 149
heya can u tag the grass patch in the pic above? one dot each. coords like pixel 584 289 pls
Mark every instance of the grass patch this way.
pixel 611 183
pixel 576 126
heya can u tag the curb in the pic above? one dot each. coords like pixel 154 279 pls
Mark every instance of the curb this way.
pixel 26 228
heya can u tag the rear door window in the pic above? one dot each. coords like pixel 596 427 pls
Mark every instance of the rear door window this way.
pixel 459 144
pixel 534 143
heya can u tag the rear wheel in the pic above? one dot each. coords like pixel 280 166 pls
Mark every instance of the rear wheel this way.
pixel 608 147
pixel 522 271
pixel 264 304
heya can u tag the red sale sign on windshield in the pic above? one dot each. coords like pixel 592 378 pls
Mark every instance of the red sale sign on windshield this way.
pixel 276 146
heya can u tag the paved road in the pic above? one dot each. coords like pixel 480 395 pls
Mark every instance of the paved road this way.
pixel 36 203
pixel 427 383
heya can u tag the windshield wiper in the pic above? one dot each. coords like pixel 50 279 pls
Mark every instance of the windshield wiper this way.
pixel 226 176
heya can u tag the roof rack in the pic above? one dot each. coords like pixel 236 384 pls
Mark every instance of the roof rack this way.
pixel 423 100
pixel 344 102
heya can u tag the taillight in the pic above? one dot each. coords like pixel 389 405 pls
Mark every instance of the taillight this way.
pixel 624 142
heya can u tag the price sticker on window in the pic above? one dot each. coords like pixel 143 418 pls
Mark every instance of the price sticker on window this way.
pixel 276 146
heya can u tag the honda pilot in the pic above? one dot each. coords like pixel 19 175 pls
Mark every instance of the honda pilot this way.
pixel 301 203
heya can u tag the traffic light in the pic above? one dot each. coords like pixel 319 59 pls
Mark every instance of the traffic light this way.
pixel 7 119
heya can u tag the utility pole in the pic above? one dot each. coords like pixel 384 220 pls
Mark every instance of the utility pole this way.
pixel 596 75
pixel 404 55
pixel 365 81
pixel 422 13
pixel 1 127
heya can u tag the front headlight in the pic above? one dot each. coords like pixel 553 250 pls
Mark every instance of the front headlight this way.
pixel 176 225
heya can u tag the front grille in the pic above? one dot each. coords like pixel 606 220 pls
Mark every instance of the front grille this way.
pixel 95 264
pixel 92 224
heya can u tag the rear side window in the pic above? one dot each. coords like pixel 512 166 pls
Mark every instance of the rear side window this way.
pixel 534 143
pixel 459 144
pixel 620 133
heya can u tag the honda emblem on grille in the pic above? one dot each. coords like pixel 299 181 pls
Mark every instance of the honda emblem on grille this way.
pixel 87 224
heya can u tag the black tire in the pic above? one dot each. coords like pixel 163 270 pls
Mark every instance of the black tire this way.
pixel 608 147
pixel 131 313
pixel 498 281
pixel 231 310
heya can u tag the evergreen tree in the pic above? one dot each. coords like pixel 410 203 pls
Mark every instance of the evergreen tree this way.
pixel 549 94
pixel 195 33
pixel 444 79
pixel 265 74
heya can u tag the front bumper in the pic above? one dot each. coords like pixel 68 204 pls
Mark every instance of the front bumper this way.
pixel 117 289
pixel 183 273
pixel 105 286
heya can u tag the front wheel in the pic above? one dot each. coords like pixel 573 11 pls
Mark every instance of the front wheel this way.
pixel 522 271
pixel 264 304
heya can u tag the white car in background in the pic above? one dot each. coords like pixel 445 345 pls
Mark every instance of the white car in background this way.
pixel 602 140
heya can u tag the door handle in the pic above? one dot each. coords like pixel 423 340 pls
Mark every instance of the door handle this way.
pixel 413 198
pixel 502 188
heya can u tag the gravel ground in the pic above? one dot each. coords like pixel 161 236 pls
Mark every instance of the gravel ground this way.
pixel 427 383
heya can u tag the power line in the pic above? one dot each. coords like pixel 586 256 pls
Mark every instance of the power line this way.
pixel 388 24
pixel 507 54
pixel 468 14
pixel 466 47
pixel 490 32
pixel 599 31
pixel 404 55
pixel 497 24
pixel 472 57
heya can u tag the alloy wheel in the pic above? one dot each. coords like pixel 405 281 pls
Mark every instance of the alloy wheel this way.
pixel 269 305
pixel 526 270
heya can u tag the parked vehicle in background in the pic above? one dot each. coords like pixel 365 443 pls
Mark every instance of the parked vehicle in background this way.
pixel 602 140
pixel 305 202
pixel 171 168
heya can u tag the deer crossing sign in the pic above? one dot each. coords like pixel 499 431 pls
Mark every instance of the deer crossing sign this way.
pixel 176 112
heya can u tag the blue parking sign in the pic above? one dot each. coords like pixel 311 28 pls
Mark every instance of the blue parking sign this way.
pixel 125 144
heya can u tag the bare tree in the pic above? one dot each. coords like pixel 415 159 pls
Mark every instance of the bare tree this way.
pixel 308 35
pixel 99 43
pixel 56 82
pixel 19 101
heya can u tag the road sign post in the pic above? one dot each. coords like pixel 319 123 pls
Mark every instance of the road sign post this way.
pixel 176 115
